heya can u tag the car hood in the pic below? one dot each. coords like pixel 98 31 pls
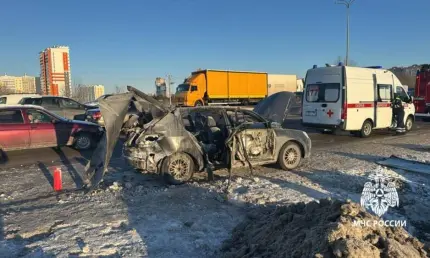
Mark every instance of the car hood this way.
pixel 278 106
pixel 114 108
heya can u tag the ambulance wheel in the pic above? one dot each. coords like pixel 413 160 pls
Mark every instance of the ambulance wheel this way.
pixel 366 129
pixel 409 123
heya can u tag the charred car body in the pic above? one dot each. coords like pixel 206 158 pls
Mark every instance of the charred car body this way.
pixel 176 142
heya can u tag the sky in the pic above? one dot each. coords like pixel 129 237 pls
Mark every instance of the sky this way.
pixel 131 42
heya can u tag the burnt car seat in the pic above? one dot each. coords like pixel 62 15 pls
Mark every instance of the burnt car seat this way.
pixel 213 131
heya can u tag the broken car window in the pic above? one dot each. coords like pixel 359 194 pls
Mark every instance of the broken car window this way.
pixel 239 117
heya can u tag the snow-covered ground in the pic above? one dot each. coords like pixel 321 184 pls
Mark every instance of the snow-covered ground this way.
pixel 136 215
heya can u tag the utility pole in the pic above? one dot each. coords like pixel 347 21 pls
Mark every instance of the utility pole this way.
pixel 348 4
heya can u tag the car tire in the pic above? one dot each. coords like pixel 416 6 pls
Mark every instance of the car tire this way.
pixel 83 141
pixel 198 103
pixel 290 156
pixel 177 168
pixel 409 123
pixel 366 129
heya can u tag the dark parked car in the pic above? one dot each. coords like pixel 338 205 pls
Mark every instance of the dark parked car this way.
pixel 177 142
pixel 62 106
pixel 95 116
pixel 30 127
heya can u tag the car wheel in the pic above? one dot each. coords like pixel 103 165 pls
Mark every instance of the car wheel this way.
pixel 290 156
pixel 366 129
pixel 177 168
pixel 409 124
pixel 83 141
pixel 198 103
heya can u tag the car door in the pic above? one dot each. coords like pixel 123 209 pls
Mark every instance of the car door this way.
pixel 252 137
pixel 42 129
pixel 72 109
pixel 14 131
pixel 52 104
pixel 384 112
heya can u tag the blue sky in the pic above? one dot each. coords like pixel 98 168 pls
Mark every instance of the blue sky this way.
pixel 132 42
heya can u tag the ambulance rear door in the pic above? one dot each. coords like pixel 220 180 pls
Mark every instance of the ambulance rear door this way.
pixel 322 101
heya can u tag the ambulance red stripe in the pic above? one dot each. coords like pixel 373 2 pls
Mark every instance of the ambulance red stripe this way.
pixel 367 105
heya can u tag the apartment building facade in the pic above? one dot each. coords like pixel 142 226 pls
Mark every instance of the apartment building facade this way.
pixel 88 93
pixel 17 84
pixel 55 76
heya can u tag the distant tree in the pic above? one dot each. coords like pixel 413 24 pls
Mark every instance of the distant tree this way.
pixel 406 77
pixel 120 89
pixel 340 59
pixel 80 94
pixel 4 90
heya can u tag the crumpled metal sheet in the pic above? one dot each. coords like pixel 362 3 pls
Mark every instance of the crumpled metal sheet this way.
pixel 405 164
pixel 114 109
pixel 278 106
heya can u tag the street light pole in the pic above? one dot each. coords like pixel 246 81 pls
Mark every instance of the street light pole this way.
pixel 169 83
pixel 348 4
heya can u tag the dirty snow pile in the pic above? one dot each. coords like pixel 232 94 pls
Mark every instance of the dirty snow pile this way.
pixel 324 229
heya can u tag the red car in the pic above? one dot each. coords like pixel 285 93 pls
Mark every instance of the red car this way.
pixel 30 127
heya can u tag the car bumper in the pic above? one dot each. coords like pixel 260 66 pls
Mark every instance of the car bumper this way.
pixel 308 146
pixel 140 159
pixel 324 126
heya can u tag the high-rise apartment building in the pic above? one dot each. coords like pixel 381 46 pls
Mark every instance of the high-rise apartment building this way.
pixel 96 91
pixel 88 93
pixel 160 87
pixel 55 77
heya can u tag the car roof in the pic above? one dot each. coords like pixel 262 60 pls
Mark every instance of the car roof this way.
pixel 214 107
pixel 44 96
pixel 21 107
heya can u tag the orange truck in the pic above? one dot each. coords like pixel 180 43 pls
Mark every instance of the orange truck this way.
pixel 209 87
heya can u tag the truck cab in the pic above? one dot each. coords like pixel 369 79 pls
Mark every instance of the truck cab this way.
pixel 422 90
pixel 191 92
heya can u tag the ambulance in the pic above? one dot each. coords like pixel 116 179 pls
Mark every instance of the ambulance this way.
pixel 354 99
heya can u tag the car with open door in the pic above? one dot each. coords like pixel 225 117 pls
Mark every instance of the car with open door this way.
pixel 178 142
pixel 31 127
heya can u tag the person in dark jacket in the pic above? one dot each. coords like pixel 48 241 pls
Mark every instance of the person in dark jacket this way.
pixel 399 114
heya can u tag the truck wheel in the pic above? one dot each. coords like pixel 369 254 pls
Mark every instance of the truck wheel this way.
pixel 177 168
pixel 198 103
pixel 409 124
pixel 366 129
pixel 290 156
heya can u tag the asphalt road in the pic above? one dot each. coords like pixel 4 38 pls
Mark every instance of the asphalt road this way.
pixel 52 156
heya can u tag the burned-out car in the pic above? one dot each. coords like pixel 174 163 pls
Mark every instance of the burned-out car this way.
pixel 177 142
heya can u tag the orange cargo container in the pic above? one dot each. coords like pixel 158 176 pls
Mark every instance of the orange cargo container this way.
pixel 206 87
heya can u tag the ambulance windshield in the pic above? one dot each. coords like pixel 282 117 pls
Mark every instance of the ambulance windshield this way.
pixel 323 92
